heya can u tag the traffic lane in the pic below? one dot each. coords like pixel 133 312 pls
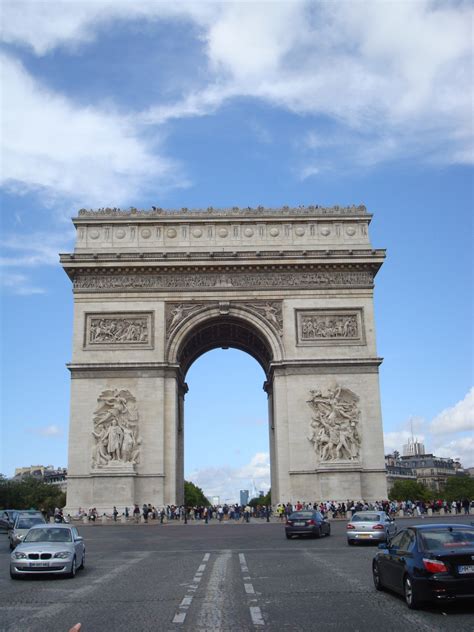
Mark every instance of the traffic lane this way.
pixel 115 591
pixel 328 579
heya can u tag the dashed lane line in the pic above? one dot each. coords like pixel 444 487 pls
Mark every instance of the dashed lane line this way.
pixel 180 615
pixel 254 608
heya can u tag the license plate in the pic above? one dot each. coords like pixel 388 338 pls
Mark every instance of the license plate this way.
pixel 39 564
pixel 466 569
pixel 299 523
pixel 364 535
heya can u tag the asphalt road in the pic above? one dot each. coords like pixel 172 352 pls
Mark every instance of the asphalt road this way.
pixel 219 577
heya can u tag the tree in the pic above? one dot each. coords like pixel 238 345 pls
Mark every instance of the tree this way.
pixel 262 500
pixel 458 487
pixel 409 490
pixel 194 496
pixel 30 493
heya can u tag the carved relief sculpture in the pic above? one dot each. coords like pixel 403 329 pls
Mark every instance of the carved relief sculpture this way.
pixel 116 439
pixel 118 329
pixel 334 429
pixel 315 326
pixel 271 311
pixel 176 313
pixel 330 278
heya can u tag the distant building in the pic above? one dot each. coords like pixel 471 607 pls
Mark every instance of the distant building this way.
pixel 428 469
pixel 46 473
pixel 397 470
pixel 469 471
pixel 244 497
pixel 413 448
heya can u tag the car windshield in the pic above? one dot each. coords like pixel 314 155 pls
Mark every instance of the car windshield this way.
pixel 48 535
pixel 27 523
pixel 365 518
pixel 301 514
pixel 450 538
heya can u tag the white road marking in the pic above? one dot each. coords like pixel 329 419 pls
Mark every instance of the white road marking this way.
pixel 183 607
pixel 255 612
pixel 256 615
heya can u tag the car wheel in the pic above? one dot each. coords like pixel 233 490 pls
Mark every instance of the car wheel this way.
pixel 318 533
pixel 411 594
pixel 329 531
pixel 83 563
pixel 13 575
pixel 73 568
pixel 350 542
pixel 288 536
pixel 376 576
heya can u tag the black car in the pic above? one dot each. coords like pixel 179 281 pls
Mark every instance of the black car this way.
pixel 307 522
pixel 427 563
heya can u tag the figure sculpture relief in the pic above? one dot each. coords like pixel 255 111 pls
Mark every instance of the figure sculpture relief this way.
pixel 316 326
pixel 115 429
pixel 334 429
pixel 176 313
pixel 118 330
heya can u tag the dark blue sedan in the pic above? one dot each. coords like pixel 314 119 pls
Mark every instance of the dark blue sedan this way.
pixel 427 563
pixel 307 522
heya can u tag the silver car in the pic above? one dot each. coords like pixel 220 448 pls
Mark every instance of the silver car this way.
pixel 24 520
pixel 367 526
pixel 49 548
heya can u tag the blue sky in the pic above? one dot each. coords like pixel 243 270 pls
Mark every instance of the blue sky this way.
pixel 240 104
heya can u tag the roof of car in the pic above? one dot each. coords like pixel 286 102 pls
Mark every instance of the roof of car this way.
pixel 443 525
pixel 52 526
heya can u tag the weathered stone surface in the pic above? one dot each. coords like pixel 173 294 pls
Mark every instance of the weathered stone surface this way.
pixel 155 289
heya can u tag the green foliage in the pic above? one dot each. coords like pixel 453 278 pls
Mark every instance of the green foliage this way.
pixel 409 490
pixel 262 500
pixel 458 488
pixel 30 493
pixel 194 496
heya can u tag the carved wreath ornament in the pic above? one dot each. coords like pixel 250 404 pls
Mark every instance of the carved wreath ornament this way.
pixel 334 430
pixel 116 439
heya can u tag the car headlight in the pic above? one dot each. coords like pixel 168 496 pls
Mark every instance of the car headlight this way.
pixel 62 555
pixel 19 555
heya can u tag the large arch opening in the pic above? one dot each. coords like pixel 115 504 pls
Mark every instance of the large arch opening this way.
pixel 226 428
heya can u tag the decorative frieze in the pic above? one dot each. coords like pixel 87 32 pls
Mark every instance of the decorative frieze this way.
pixel 334 427
pixel 338 326
pixel 119 330
pixel 104 282
pixel 115 434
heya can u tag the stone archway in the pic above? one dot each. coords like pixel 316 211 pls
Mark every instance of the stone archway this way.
pixel 195 328
pixel 156 289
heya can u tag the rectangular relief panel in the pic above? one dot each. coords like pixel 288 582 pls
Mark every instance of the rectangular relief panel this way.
pixel 316 327
pixel 121 330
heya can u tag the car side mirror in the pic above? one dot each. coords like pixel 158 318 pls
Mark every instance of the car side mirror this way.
pixel 78 539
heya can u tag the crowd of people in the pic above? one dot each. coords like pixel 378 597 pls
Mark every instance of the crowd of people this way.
pixel 239 513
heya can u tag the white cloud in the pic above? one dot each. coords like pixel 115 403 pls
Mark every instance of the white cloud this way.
pixel 392 77
pixel 461 448
pixel 226 481
pixel 19 284
pixel 80 153
pixel 456 419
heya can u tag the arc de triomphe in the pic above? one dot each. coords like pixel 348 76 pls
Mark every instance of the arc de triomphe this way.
pixel 154 290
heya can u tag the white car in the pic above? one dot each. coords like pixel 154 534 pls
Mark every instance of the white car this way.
pixel 48 548
pixel 370 526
